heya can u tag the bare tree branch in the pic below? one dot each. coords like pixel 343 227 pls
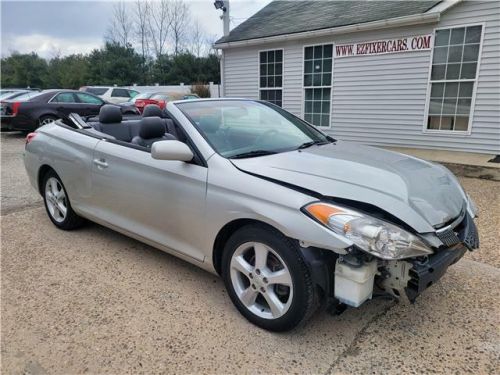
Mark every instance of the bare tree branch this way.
pixel 198 39
pixel 142 32
pixel 159 21
pixel 121 25
pixel 180 18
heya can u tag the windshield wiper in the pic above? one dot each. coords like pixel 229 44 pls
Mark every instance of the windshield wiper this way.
pixel 312 143
pixel 251 154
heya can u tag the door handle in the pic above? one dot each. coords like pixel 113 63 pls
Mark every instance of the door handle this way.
pixel 101 163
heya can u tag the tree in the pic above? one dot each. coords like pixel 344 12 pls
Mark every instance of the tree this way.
pixel 114 65
pixel 69 72
pixel 159 25
pixel 179 16
pixel 198 40
pixel 121 25
pixel 142 32
pixel 23 70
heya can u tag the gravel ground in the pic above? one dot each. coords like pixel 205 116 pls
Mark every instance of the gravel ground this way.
pixel 94 301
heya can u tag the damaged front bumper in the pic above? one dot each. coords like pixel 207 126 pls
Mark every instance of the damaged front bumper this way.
pixel 354 283
pixel 412 276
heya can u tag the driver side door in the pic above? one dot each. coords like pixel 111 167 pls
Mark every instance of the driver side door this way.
pixel 160 201
pixel 90 104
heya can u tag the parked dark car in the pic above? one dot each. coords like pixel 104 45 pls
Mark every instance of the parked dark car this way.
pixel 27 112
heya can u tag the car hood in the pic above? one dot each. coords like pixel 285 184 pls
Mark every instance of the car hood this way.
pixel 422 194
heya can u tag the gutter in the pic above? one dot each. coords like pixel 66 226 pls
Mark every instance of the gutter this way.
pixel 416 19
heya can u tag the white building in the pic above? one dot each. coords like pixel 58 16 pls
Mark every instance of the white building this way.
pixel 397 73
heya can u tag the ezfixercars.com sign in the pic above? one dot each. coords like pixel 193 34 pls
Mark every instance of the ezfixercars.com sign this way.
pixel 408 44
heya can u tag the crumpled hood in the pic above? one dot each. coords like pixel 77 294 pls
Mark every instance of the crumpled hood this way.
pixel 422 194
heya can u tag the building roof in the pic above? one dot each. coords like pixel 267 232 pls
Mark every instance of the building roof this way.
pixel 290 17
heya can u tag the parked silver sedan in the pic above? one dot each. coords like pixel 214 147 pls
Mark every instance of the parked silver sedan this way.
pixel 291 218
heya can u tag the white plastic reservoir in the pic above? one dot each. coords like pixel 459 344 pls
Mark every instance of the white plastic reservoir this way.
pixel 354 285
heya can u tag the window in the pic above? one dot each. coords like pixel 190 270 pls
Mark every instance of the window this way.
pixel 97 90
pixel 88 99
pixel 160 97
pixel 65 97
pixel 453 75
pixel 120 93
pixel 271 76
pixel 318 63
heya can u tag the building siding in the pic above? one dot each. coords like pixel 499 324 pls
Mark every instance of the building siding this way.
pixel 381 99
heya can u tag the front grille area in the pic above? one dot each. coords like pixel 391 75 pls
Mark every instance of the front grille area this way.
pixel 464 232
pixel 448 237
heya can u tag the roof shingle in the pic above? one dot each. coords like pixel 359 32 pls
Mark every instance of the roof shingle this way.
pixel 288 17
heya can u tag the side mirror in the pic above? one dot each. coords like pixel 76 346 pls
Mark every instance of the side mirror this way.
pixel 171 150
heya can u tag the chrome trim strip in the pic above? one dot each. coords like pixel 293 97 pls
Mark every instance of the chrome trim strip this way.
pixel 455 222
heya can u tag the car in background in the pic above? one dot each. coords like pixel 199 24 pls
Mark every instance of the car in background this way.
pixel 111 94
pixel 12 92
pixel 29 111
pixel 157 98
pixel 190 97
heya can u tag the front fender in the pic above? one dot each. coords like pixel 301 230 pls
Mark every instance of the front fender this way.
pixel 233 194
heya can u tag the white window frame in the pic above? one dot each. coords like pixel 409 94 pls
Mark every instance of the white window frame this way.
pixel 462 133
pixel 303 105
pixel 282 74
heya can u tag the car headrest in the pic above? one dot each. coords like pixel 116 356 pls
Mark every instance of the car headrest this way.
pixel 209 124
pixel 109 114
pixel 152 110
pixel 152 127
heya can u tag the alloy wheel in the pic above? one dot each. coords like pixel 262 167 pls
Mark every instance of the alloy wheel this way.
pixel 56 199
pixel 261 280
pixel 46 121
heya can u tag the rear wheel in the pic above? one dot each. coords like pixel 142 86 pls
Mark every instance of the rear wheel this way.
pixel 57 203
pixel 267 278
pixel 44 120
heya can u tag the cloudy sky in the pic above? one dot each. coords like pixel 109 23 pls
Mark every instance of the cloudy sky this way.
pixel 66 27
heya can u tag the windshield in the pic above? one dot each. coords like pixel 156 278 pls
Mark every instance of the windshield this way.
pixel 144 95
pixel 245 128
pixel 159 97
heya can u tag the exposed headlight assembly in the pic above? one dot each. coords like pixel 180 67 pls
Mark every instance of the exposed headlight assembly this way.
pixel 375 236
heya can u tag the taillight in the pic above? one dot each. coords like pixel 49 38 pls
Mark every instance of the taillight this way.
pixel 30 137
pixel 162 104
pixel 15 108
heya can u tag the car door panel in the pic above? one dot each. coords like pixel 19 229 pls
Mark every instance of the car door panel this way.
pixel 89 104
pixel 64 103
pixel 163 201
pixel 75 168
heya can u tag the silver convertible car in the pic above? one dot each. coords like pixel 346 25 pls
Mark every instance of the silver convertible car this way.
pixel 291 218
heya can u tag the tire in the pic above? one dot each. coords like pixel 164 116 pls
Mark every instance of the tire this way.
pixel 47 119
pixel 57 203
pixel 273 291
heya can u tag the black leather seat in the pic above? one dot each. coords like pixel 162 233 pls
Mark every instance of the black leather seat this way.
pixel 111 123
pixel 152 110
pixel 152 130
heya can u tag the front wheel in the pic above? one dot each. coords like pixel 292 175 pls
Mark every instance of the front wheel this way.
pixel 57 203
pixel 267 278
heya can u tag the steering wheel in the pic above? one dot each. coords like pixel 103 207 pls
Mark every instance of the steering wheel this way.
pixel 264 135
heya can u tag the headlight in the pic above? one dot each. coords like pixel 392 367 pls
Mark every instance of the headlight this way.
pixel 375 236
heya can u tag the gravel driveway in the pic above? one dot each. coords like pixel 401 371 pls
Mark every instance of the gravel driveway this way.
pixel 94 301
